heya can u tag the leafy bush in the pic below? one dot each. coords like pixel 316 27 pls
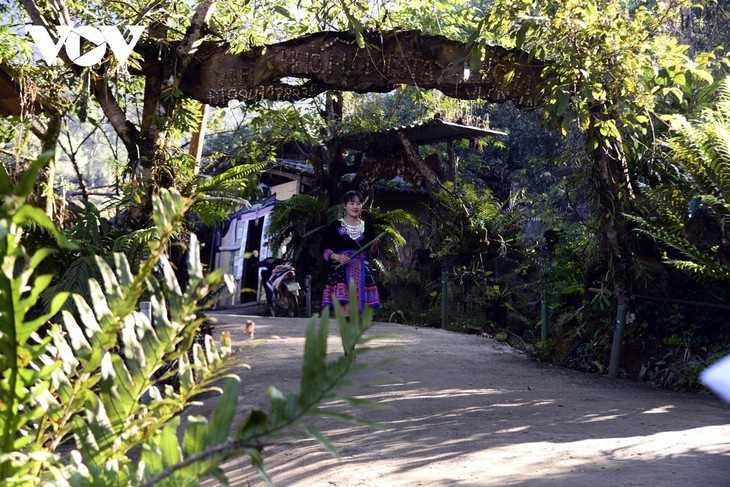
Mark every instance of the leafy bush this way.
pixel 693 225
pixel 82 402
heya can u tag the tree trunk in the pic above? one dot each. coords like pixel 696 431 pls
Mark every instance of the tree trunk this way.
pixel 612 193
pixel 332 152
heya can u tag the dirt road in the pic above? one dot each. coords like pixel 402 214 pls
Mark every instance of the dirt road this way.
pixel 466 410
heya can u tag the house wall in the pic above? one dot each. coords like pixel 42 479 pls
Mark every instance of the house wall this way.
pixel 286 190
pixel 247 233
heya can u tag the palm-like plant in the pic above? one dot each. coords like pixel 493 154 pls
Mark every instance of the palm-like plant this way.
pixel 81 400
pixel 219 194
pixel 389 222
pixel 298 218
pixel 694 222
pixel 473 224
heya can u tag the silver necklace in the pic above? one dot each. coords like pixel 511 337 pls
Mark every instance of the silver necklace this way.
pixel 356 230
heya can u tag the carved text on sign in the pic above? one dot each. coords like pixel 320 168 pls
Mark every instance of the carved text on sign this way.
pixel 221 96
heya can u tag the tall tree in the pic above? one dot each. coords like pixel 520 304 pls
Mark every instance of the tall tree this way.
pixel 615 72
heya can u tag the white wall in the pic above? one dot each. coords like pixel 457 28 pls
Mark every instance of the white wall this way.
pixel 285 191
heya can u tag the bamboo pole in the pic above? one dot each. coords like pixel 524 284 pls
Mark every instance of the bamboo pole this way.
pixel 364 247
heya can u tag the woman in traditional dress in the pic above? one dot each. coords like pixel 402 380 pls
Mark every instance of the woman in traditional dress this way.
pixel 341 240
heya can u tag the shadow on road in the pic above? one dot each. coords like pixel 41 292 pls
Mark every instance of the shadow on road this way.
pixel 469 411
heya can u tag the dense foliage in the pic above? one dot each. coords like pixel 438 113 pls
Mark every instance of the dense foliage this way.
pixel 618 81
pixel 693 207
pixel 88 395
pixel 614 192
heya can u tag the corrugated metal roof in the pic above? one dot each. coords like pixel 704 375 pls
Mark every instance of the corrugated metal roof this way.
pixel 430 132
pixel 255 207
pixel 292 165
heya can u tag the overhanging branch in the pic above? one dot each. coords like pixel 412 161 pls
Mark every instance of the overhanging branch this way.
pixel 333 61
pixel 127 132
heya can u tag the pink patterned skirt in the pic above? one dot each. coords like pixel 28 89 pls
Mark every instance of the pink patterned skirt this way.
pixel 359 272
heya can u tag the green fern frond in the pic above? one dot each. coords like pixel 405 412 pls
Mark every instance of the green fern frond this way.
pixel 76 277
pixel 667 204
pixel 213 209
pixel 236 178
pixel 400 217
pixel 689 149
pixel 136 238
pixel 700 263
pixel 719 142
pixel 298 216
pixel 720 205
pixel 702 148
pixel 394 237
pixel 700 271
pixel 334 212
pixel 388 222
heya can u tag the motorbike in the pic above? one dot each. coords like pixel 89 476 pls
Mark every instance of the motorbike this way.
pixel 280 286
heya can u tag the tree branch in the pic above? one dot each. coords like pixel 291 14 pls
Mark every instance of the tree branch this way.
pixel 124 128
pixel 333 61
pixel 433 183
pixel 71 154
pixel 61 11
pixel 99 87
pixel 15 155
pixel 431 180
pixel 198 25
pixel 154 4
pixel 35 14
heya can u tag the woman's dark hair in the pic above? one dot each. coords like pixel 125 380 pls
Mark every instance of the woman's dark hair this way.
pixel 351 195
